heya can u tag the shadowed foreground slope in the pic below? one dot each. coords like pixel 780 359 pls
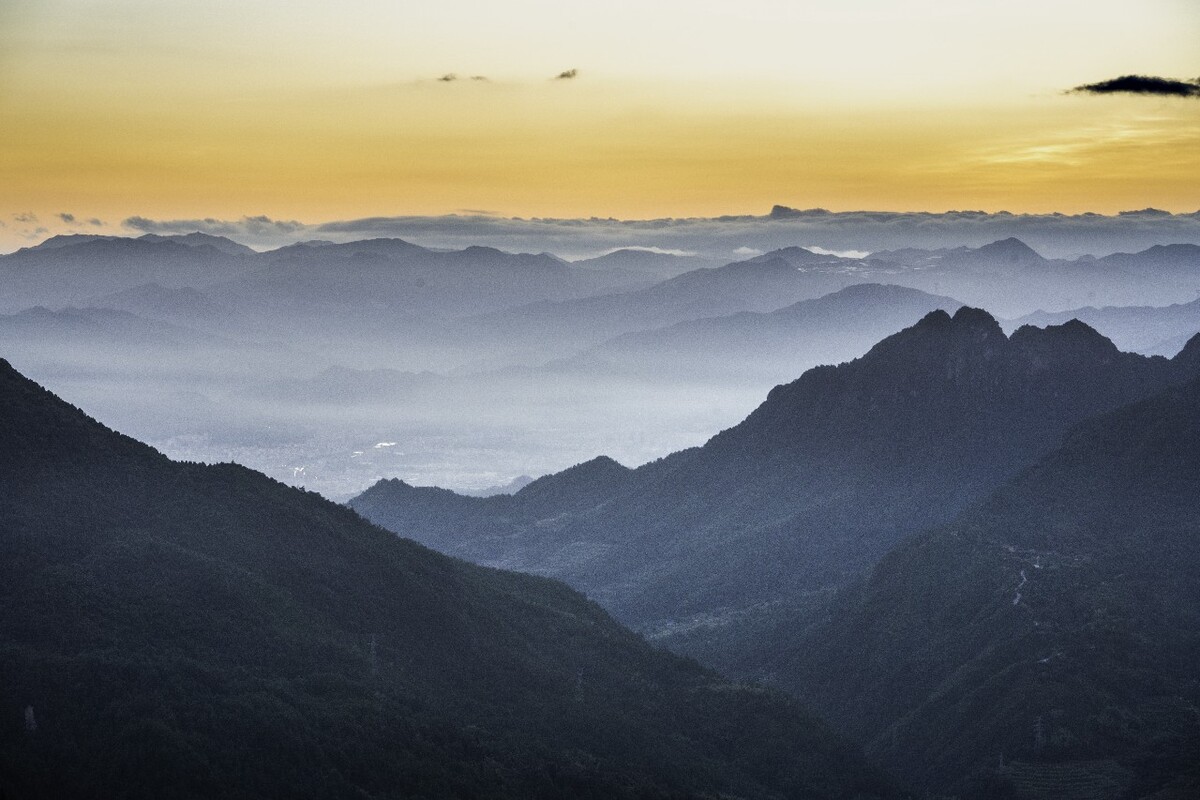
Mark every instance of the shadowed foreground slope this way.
pixel 177 630
pixel 1056 625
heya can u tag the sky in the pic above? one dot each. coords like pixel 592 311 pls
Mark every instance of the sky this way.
pixel 321 111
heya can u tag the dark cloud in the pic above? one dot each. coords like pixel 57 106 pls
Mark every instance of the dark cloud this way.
pixel 1142 84
pixel 217 227
pixel 567 75
pixel 258 231
pixel 1145 212
pixel 27 217
pixel 96 221
pixel 449 77
pixel 65 217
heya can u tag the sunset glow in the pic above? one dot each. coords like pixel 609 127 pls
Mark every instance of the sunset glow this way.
pixel 321 111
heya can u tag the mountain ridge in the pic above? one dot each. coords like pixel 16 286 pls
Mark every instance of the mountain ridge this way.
pixel 823 478
pixel 200 611
pixel 1054 621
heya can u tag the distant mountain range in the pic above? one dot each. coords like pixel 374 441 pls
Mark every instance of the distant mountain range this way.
pixel 772 346
pixel 171 629
pixel 70 270
pixel 73 270
pixel 545 355
pixel 481 305
pixel 1007 277
pixel 762 284
pixel 646 264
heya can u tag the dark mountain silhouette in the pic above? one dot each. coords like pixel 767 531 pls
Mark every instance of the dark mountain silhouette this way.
pixel 581 486
pixel 1056 624
pixel 1154 330
pixel 821 480
pixel 777 345
pixel 489 529
pixel 160 621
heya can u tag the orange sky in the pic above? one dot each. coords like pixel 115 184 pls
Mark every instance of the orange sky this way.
pixel 303 110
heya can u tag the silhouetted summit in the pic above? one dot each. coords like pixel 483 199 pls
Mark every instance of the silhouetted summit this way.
pixel 795 256
pixel 588 483
pixel 1070 339
pixel 825 476
pixel 1007 251
pixel 1056 623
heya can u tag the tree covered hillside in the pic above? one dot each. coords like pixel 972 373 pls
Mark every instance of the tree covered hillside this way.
pixel 178 630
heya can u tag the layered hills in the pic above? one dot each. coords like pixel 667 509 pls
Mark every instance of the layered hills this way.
pixel 753 347
pixel 828 474
pixel 174 629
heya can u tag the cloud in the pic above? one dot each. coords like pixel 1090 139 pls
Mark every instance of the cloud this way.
pixel 97 222
pixel 254 225
pixel 719 238
pixel 449 77
pixel 839 253
pixel 1144 85
pixel 65 217
pixel 662 251
pixel 1145 212
pixel 257 231
pixel 567 75
pixel 26 218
